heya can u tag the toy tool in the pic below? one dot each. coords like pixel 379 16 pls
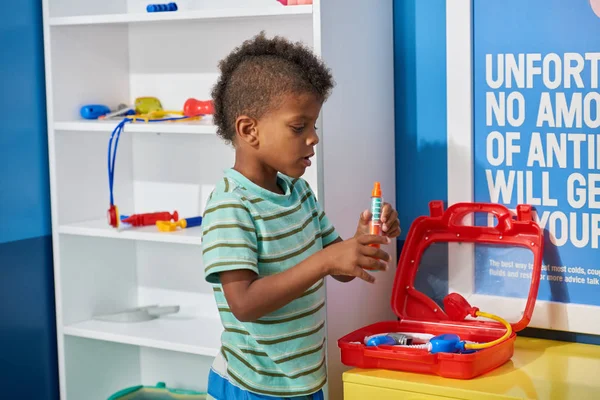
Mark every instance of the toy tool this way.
pixel 93 111
pixel 169 226
pixel 457 308
pixel 161 7
pixel 388 339
pixel 375 224
pixel 122 109
pixel 376 204
pixel 150 218
pixel 148 109
pixel 295 2
pixel 193 107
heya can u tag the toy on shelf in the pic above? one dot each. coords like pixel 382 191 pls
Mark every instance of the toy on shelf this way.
pixel 93 111
pixel 148 109
pixel 161 7
pixel 295 2
pixel 147 105
pixel 198 107
pixel 171 226
pixel 122 110
pixel 148 219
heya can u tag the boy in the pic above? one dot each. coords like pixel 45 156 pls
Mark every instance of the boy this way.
pixel 267 244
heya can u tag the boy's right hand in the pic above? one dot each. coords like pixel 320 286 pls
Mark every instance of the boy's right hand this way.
pixel 348 256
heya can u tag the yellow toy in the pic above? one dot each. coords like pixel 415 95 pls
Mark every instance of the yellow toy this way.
pixel 170 226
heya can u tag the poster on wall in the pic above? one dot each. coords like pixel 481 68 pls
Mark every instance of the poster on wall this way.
pixel 536 140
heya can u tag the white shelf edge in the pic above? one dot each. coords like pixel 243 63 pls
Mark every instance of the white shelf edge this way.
pixel 182 15
pixel 118 333
pixel 101 229
pixel 195 128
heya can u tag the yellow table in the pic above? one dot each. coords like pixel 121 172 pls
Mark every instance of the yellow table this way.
pixel 539 369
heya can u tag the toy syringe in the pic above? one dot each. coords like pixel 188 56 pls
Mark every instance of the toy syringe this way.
pixel 376 204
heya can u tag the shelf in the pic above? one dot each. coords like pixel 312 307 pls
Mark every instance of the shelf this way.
pixel 100 228
pixel 193 335
pixel 182 15
pixel 196 128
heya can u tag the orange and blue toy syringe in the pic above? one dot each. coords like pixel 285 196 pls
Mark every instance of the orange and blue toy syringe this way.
pixel 376 205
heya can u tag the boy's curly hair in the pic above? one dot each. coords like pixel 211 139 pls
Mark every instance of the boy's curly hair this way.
pixel 256 74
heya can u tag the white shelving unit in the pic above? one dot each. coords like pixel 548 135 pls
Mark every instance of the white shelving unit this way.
pixel 111 52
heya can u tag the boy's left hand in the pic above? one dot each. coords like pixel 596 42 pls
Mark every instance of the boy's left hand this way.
pixel 389 218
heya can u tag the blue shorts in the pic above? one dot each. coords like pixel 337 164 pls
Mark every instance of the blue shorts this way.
pixel 220 388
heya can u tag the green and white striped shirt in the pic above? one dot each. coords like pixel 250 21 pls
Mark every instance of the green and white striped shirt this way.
pixel 248 227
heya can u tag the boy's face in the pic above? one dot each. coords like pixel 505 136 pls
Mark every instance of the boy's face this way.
pixel 287 135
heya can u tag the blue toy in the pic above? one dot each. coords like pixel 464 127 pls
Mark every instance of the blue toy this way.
pixel 161 7
pixel 93 111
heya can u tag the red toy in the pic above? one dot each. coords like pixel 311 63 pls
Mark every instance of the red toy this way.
pixel 295 2
pixel 419 314
pixel 193 107
pixel 150 218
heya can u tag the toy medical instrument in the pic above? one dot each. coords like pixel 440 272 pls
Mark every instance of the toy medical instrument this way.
pixel 388 339
pixel 194 107
pixel 457 308
pixel 376 204
pixel 295 2
pixel 150 110
pixel 150 218
pixel 121 110
pixel 170 226
pixel 93 111
pixel 161 7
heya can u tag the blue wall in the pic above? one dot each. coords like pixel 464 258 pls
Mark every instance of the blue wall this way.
pixel 28 366
pixel 421 143
pixel 420 101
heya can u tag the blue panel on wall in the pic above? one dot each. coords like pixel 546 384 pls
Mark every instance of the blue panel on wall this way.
pixel 420 101
pixel 28 360
pixel 24 194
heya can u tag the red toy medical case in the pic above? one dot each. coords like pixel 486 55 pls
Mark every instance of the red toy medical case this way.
pixel 417 313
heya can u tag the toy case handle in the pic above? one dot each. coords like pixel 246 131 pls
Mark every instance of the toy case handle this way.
pixel 455 213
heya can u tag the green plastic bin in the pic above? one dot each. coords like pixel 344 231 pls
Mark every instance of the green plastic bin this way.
pixel 158 392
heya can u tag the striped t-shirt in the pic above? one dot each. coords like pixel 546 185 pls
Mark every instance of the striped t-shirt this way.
pixel 248 227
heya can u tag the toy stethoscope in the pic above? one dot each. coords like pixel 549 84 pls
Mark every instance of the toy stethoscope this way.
pixel 458 308
pixel 114 219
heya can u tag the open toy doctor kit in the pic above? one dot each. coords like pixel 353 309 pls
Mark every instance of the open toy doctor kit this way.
pixel 452 342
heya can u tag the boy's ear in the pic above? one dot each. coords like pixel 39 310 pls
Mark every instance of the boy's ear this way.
pixel 246 129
